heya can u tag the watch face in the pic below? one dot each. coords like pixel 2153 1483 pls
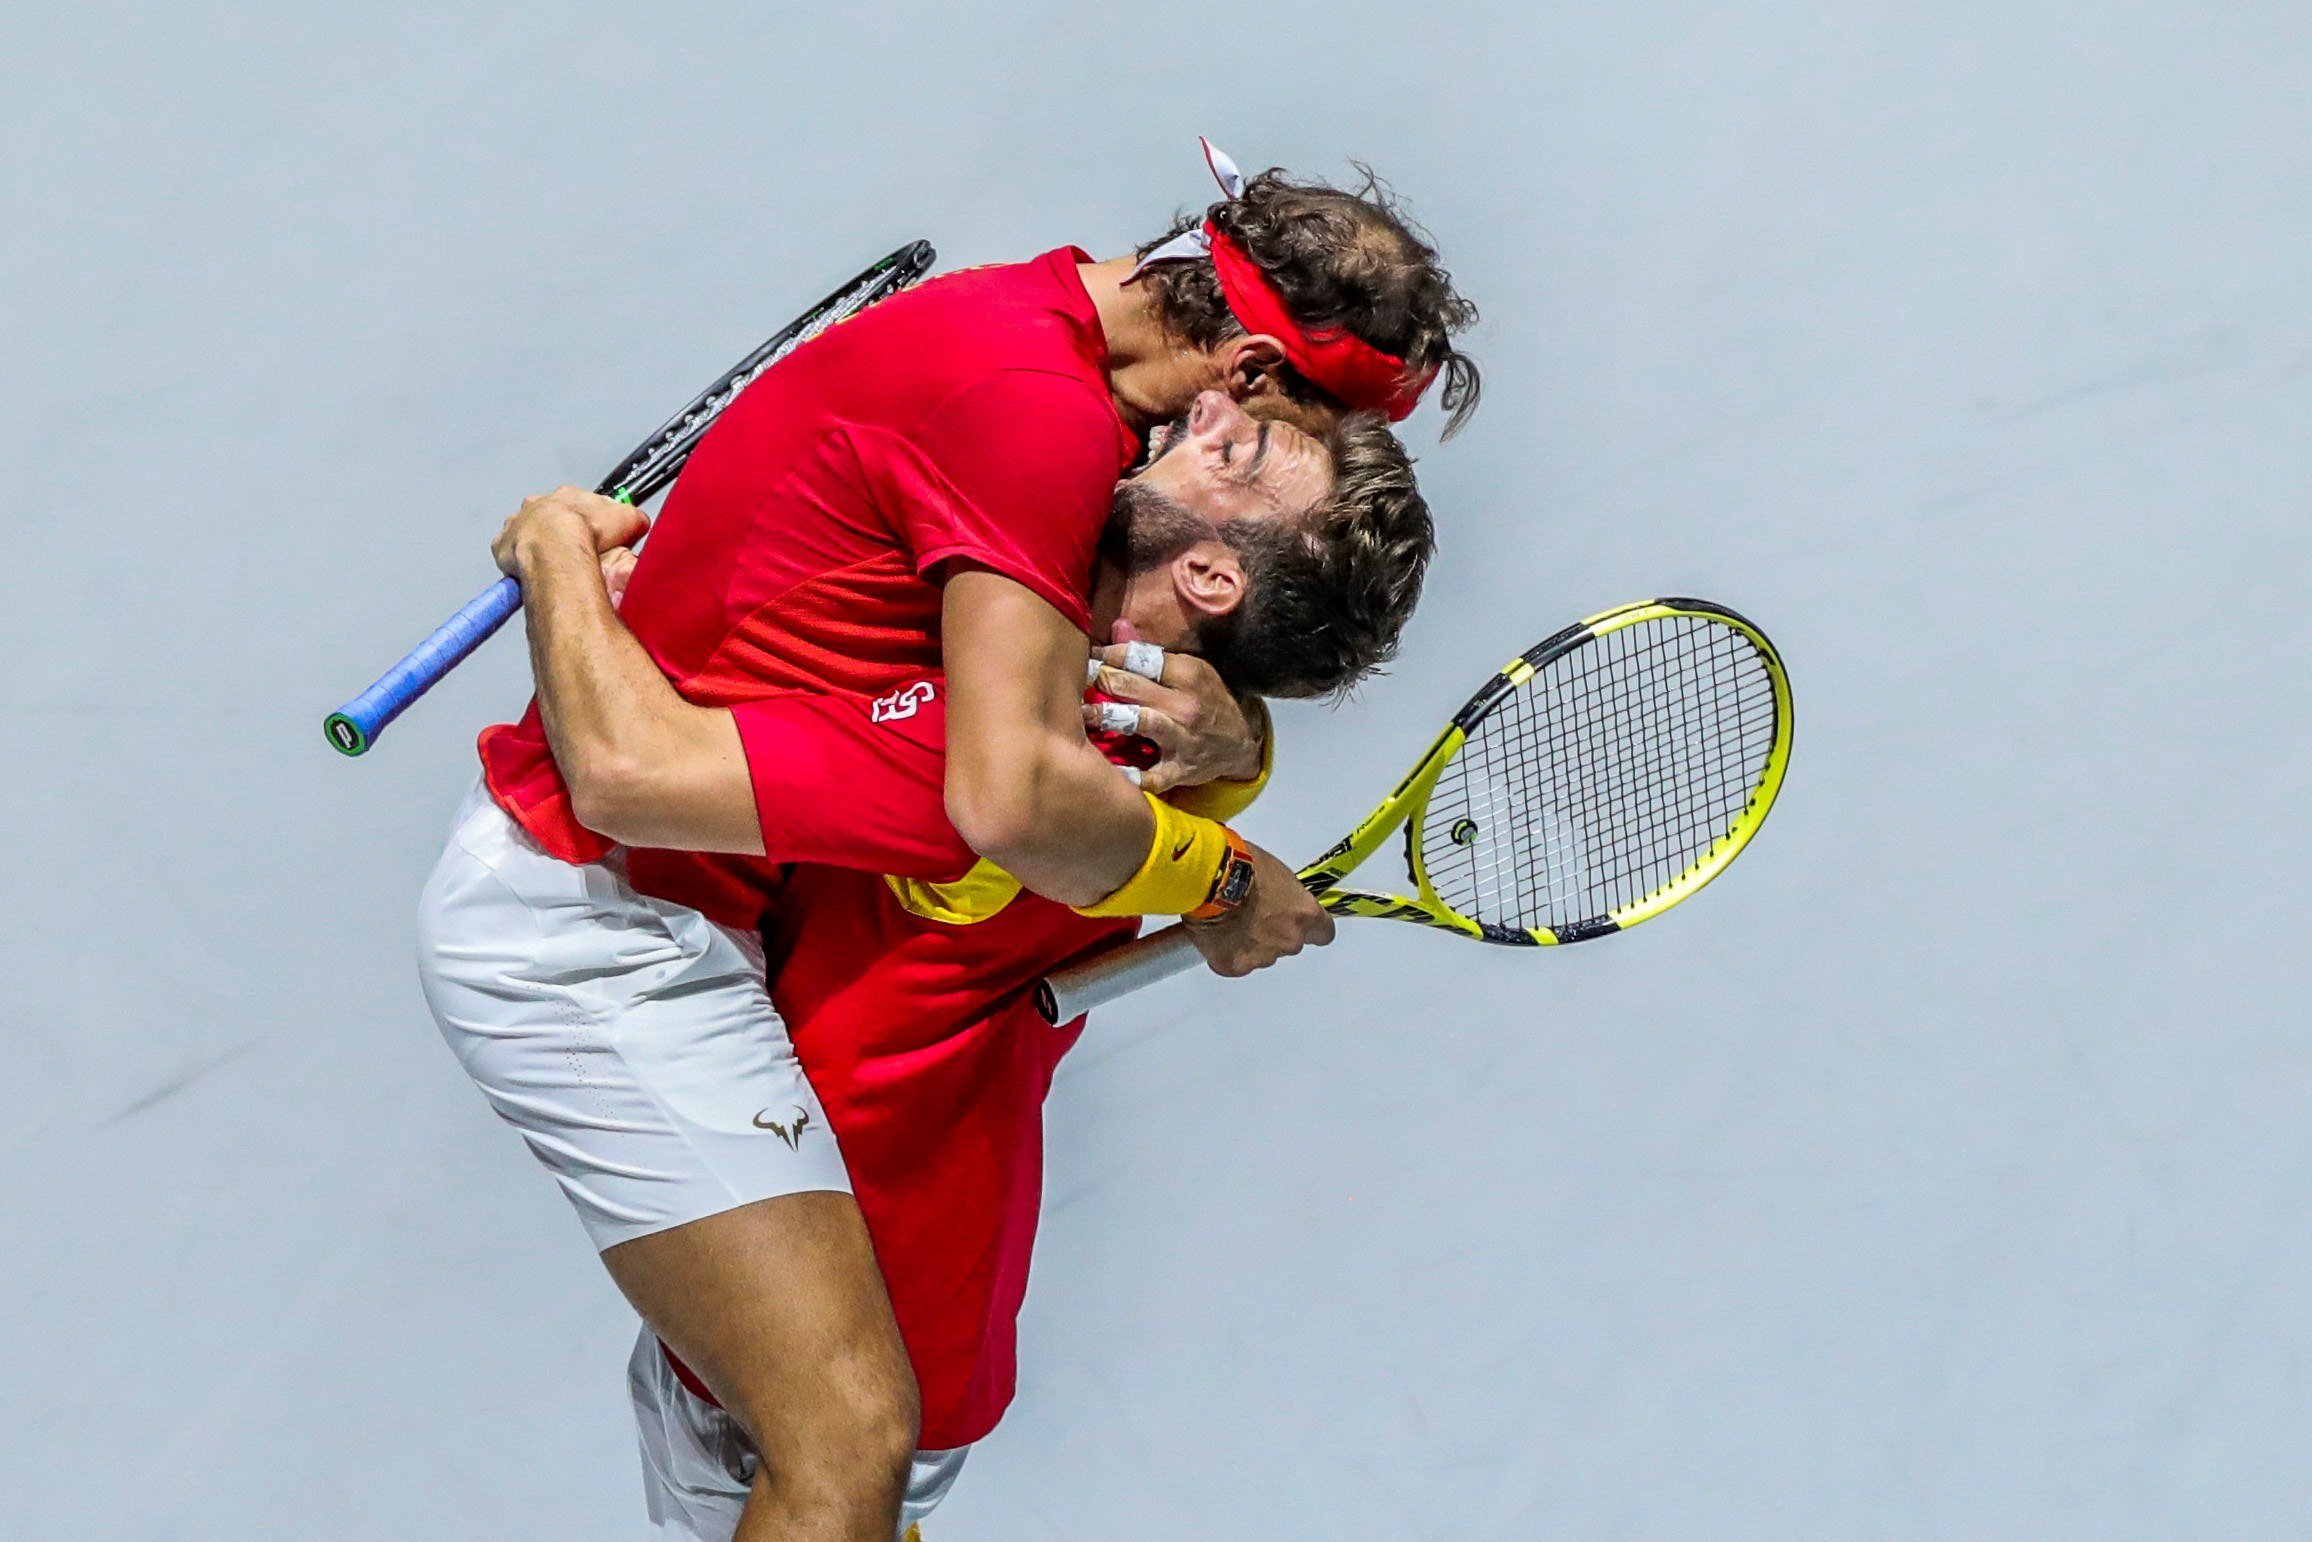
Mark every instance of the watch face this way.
pixel 1237 884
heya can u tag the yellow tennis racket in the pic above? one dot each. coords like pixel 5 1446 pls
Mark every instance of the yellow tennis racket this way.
pixel 1599 778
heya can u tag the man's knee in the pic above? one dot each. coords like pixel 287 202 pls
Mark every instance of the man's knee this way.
pixel 875 1432
pixel 854 1445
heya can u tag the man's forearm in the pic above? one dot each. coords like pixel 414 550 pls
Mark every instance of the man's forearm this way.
pixel 644 766
pixel 1083 832
pixel 1024 788
pixel 582 657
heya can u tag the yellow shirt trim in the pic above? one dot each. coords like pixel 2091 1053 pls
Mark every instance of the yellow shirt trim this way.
pixel 978 894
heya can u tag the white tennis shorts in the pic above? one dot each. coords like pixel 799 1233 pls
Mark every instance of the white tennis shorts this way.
pixel 630 1040
pixel 697 1463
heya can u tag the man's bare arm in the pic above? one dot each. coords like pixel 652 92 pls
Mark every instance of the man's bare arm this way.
pixel 644 766
pixel 1024 788
pixel 1029 793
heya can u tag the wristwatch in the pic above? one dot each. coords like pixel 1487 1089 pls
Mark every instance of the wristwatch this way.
pixel 1231 884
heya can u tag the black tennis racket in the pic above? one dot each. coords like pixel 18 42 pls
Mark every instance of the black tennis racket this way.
pixel 652 465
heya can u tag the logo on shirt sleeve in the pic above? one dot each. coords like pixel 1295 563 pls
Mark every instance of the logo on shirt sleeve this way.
pixel 902 703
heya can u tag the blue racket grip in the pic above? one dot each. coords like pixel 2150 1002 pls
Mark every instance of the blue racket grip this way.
pixel 354 727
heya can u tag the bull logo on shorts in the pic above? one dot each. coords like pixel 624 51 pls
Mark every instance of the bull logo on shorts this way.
pixel 790 1132
pixel 901 704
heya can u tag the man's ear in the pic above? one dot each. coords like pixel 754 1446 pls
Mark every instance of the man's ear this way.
pixel 1248 366
pixel 1208 580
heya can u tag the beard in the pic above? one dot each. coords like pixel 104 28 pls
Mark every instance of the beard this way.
pixel 1147 529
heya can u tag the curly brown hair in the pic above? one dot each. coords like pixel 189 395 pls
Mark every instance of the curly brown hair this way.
pixel 1349 258
pixel 1327 595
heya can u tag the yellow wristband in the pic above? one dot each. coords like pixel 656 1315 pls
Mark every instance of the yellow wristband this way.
pixel 1177 877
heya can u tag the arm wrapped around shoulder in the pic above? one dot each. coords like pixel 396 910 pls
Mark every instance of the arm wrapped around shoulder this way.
pixel 1185 860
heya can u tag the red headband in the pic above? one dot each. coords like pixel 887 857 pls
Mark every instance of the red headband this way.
pixel 1352 369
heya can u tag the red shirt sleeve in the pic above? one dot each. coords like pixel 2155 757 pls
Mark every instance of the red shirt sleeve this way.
pixel 856 784
pixel 1014 473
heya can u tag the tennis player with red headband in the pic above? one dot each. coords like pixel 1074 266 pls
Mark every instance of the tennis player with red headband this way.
pixel 919 490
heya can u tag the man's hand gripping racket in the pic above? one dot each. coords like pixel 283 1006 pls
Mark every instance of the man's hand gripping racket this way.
pixel 646 472
pixel 1599 778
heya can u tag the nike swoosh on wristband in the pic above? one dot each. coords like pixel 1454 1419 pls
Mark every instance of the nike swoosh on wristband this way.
pixel 1181 850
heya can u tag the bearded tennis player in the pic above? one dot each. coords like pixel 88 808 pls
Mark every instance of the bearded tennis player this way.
pixel 918 491
pixel 908 1001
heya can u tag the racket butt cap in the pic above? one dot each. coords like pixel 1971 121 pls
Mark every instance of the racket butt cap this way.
pixel 344 734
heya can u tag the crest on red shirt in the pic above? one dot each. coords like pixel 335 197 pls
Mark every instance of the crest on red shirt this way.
pixel 902 703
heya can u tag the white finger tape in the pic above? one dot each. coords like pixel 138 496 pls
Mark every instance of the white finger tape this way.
pixel 1092 670
pixel 1119 717
pixel 1131 774
pixel 1144 659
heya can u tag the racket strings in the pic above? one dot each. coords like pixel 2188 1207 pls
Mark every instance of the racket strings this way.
pixel 1664 736
pixel 1618 767
pixel 1662 789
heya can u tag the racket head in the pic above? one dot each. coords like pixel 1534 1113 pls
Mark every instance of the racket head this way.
pixel 1602 776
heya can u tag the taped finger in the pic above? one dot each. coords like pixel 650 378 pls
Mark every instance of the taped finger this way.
pixel 1159 730
pixel 1144 659
pixel 1119 717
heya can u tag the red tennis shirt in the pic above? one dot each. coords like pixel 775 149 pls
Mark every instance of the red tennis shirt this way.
pixel 924 1045
pixel 922 1041
pixel 965 421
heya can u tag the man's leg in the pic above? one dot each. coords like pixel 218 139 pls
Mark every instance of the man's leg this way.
pixel 633 1044
pixel 779 1308
pixel 698 1466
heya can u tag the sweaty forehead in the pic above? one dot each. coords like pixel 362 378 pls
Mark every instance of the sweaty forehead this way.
pixel 1297 471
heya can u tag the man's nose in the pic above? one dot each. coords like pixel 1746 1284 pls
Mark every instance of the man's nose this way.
pixel 1209 411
